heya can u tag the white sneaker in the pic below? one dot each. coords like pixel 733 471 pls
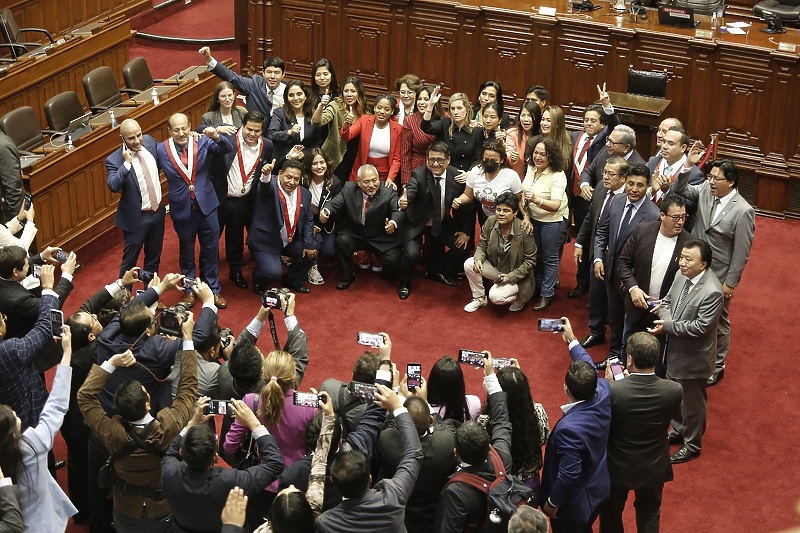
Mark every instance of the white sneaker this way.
pixel 475 304
pixel 516 306
pixel 314 277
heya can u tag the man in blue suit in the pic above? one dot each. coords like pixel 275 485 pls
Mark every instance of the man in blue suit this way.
pixel 575 478
pixel 192 200
pixel 133 172
pixel 283 224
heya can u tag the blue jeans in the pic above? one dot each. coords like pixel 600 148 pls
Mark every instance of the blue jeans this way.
pixel 548 237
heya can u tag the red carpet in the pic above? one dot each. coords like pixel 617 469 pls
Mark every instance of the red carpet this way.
pixel 165 59
pixel 199 20
pixel 745 481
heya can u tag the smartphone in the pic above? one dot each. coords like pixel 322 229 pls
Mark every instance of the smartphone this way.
pixel 369 339
pixel 216 407
pixel 616 368
pixel 363 390
pixel 307 399
pixel 56 322
pixel 61 256
pixel 414 373
pixel 551 324
pixel 146 277
pixel 188 283
pixel 139 292
pixel 37 271
pixel 500 363
pixel 28 201
pixel 471 357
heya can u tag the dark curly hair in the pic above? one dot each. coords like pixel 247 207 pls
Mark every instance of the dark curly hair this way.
pixel 526 434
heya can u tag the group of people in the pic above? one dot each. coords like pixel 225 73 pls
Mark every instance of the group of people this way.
pixel 305 172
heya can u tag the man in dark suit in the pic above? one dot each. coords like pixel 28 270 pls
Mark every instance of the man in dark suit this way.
pixel 192 200
pixel 621 142
pixel 243 166
pixel 575 474
pixel 598 122
pixel 264 93
pixel 133 172
pixel 688 315
pixel 12 191
pixel 642 406
pixel 625 213
pixel 283 224
pixel 668 164
pixel 427 200
pixel 369 215
pixel 648 262
pixel 613 185
pixel 727 223
pixel 463 507
pixel 380 509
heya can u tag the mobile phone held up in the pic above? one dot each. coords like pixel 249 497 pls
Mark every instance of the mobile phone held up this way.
pixel 414 373
pixel 217 407
pixel 365 391
pixel 28 201
pixel 616 368
pixel 551 324
pixel 369 339
pixel 56 322
pixel 473 358
pixel 307 399
pixel 61 256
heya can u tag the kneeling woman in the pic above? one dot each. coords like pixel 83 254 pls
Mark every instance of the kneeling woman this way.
pixel 505 255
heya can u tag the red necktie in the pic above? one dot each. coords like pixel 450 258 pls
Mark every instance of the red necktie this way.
pixel 576 183
pixel 366 207
pixel 184 156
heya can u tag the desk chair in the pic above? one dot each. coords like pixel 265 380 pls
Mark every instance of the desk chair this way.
pixel 62 109
pixel 22 126
pixel 704 7
pixel 137 76
pixel 102 90
pixel 651 83
pixel 11 34
pixel 787 10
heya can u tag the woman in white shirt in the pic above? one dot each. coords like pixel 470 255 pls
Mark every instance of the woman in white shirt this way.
pixel 545 211
pixel 14 226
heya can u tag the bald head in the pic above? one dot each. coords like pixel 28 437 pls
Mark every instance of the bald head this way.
pixel 664 127
pixel 179 129
pixel 131 134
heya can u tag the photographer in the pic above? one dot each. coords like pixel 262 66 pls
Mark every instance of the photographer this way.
pixel 218 344
pixel 138 500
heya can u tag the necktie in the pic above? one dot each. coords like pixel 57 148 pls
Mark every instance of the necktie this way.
pixel 436 227
pixel 184 155
pixel 148 181
pixel 686 288
pixel 624 226
pixel 604 212
pixel 367 200
pixel 576 186
pixel 713 211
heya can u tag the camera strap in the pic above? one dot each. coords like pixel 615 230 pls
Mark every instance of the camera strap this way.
pixel 272 330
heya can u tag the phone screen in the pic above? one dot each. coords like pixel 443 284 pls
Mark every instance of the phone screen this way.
pixel 61 256
pixel 500 363
pixel 369 339
pixel 28 201
pixel 550 324
pixel 471 357
pixel 217 407
pixel 306 399
pixel 37 271
pixel 616 368
pixel 363 390
pixel 56 322
pixel 414 372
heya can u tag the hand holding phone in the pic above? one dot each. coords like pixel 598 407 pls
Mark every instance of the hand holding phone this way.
pixel 216 407
pixel 56 323
pixel 307 399
pixel 616 368
pixel 414 373
pixel 369 339
pixel 555 325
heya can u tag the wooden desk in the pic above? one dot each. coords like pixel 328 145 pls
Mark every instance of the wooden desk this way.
pixel 145 97
pixel 738 86
pixel 70 191
pixel 120 113
pixel 188 73
pixel 35 80
pixel 642 111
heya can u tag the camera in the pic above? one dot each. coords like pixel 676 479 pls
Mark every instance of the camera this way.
pixel 226 337
pixel 271 298
pixel 172 318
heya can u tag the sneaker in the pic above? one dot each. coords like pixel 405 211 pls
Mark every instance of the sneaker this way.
pixel 365 261
pixel 377 266
pixel 475 304
pixel 516 306
pixel 314 277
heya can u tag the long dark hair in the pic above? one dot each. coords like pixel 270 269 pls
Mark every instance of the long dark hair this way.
pixel 446 387
pixel 308 159
pixel 10 449
pixel 291 513
pixel 308 105
pixel 316 95
pixel 499 100
pixel 437 111
pixel 526 434
pixel 362 108
pixel 536 115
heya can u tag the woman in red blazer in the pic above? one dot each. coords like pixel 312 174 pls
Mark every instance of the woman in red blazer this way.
pixel 380 139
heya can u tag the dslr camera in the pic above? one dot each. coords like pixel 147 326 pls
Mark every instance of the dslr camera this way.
pixel 172 318
pixel 271 297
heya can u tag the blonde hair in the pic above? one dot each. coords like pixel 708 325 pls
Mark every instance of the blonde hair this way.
pixel 464 98
pixel 558 132
pixel 279 376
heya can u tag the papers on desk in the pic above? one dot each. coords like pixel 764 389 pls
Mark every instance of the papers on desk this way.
pixel 28 160
pixel 738 28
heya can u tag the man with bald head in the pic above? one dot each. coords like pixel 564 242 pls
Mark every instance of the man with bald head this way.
pixel 133 172
pixel 663 128
pixel 192 200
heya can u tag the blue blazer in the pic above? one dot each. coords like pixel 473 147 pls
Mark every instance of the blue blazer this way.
pixel 265 232
pixel 180 204
pixel 123 181
pixel 575 473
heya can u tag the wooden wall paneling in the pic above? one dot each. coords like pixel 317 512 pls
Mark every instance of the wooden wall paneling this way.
pixel 263 31
pixel 431 45
pixel 57 16
pixel 658 51
pixel 541 64
pixel 301 40
pixel 332 37
pixel 468 59
pixel 368 45
pixel 43 203
pixel 398 43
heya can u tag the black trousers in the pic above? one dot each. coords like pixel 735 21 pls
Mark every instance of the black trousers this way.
pixel 580 209
pixel 347 244
pixel 235 216
pixel 148 235
pixel 647 503
pixel 616 316
pixel 101 506
pixel 441 254
pixel 598 303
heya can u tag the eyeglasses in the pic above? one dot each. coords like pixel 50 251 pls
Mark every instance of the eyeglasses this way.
pixel 677 218
pixel 436 160
pixel 406 93
pixel 607 173
pixel 714 179
pixel 612 142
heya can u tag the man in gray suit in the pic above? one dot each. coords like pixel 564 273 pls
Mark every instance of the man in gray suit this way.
pixel 11 188
pixel 688 316
pixel 726 222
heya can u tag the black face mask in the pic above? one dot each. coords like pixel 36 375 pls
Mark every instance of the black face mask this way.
pixel 490 165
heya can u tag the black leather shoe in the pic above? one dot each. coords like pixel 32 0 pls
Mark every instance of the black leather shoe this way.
pixel 674 438
pixel 542 303
pixel 441 278
pixel 715 378
pixel 343 285
pixel 302 289
pixel 258 288
pixel 403 292
pixel 592 340
pixel 684 455
pixel 238 279
pixel 577 292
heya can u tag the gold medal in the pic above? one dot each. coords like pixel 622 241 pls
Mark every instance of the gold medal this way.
pixel 191 188
pixel 242 190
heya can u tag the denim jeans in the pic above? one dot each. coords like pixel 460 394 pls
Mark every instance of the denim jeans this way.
pixel 548 237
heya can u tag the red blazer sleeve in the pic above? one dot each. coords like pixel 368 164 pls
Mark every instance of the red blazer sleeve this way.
pixel 395 148
pixel 351 132
pixel 405 151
